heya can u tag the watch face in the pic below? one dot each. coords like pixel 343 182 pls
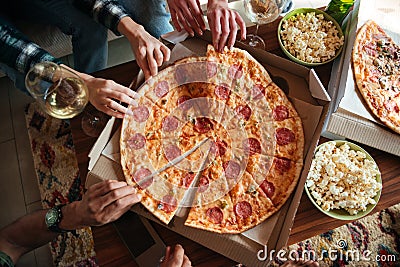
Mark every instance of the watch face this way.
pixel 51 217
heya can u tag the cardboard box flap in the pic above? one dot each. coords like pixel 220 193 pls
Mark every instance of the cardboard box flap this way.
pixel 100 143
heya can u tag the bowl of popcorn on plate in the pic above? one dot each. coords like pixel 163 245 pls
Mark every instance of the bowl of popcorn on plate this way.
pixel 344 181
pixel 310 37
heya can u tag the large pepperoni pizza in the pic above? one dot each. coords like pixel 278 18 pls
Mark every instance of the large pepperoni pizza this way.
pixel 214 134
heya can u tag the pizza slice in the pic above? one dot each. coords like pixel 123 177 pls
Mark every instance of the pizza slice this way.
pixel 281 180
pixel 250 205
pixel 217 216
pixel 289 138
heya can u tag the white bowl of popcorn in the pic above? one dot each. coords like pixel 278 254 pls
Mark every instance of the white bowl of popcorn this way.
pixel 310 37
pixel 344 181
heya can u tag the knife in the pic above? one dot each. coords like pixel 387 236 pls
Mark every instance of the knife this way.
pixel 172 162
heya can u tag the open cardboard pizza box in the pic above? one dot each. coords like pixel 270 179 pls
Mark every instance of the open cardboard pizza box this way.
pixel 349 115
pixel 312 103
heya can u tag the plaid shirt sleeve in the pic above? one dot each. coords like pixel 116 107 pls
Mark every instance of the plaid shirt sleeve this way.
pixel 18 52
pixel 106 12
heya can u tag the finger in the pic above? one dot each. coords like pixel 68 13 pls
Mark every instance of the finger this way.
pixel 215 30
pixel 186 261
pixel 104 187
pixel 166 52
pixel 184 23
pixel 202 23
pixel 242 25
pixel 175 20
pixel 113 113
pixel 225 33
pixel 195 17
pixel 158 55
pixel 118 92
pixel 167 252
pixel 142 62
pixel 118 196
pixel 117 107
pixel 118 207
pixel 177 257
pixel 233 31
pixel 152 62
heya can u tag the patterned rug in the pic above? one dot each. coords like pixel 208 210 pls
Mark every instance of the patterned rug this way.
pixel 59 182
pixel 371 241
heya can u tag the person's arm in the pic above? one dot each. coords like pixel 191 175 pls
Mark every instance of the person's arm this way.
pixel 102 203
pixel 18 52
pixel 149 52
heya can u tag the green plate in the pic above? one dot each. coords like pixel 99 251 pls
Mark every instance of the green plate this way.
pixel 305 11
pixel 342 214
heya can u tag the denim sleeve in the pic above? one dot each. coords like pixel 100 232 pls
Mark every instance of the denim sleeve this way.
pixel 106 12
pixel 18 52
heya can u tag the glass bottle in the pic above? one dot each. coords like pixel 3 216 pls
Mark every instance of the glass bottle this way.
pixel 338 9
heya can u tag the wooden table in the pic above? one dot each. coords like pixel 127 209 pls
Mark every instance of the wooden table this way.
pixel 309 221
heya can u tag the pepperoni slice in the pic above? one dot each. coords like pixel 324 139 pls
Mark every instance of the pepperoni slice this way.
pixel 282 164
pixel 203 125
pixel 232 169
pixel 188 179
pixel 161 89
pixel 203 184
pixel 268 188
pixel 140 113
pixel 218 148
pixel 137 141
pixel 284 136
pixel 244 111
pixel 243 209
pixel 168 204
pixel 211 69
pixel 172 152
pixel 280 113
pixel 181 75
pixel 235 71
pixel 252 146
pixel 170 123
pixel 222 91
pixel 257 92
pixel 215 215
pixel 140 175
pixel 183 102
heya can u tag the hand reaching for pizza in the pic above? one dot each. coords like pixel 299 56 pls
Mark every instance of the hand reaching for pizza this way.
pixel 103 202
pixel 223 24
pixel 149 52
pixel 104 94
pixel 187 14
pixel 175 257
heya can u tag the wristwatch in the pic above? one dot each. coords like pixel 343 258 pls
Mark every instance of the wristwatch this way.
pixel 53 218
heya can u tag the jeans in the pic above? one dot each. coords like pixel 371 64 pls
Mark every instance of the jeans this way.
pixel 89 38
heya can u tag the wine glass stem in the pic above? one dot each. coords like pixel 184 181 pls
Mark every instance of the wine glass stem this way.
pixel 256 31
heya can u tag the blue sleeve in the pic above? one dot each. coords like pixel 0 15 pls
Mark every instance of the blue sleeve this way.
pixel 106 12
pixel 18 52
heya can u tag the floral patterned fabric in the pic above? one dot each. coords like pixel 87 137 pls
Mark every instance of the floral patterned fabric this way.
pixel 59 182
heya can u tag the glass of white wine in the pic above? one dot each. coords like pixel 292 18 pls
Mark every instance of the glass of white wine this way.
pixel 261 12
pixel 60 92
